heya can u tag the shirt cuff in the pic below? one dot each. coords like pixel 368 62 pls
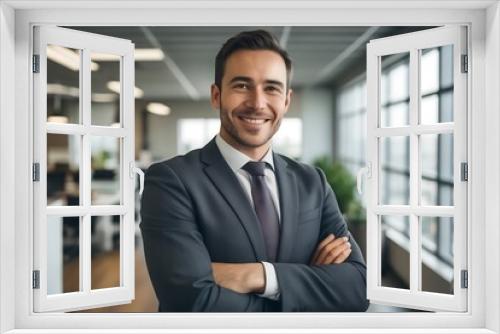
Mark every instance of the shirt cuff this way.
pixel 272 289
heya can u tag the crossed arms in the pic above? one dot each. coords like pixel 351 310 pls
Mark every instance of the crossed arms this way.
pixel 250 277
pixel 185 278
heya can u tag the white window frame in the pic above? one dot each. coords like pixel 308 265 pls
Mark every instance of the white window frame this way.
pixel 16 21
pixel 413 44
pixel 85 297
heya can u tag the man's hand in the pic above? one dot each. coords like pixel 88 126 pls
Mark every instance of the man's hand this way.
pixel 332 250
pixel 240 277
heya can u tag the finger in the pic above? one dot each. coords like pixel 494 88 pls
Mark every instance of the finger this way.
pixel 336 253
pixel 342 257
pixel 329 248
pixel 321 245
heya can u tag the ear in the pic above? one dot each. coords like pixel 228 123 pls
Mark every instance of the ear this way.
pixel 215 96
pixel 288 99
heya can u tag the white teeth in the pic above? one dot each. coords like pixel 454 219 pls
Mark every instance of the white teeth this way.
pixel 253 120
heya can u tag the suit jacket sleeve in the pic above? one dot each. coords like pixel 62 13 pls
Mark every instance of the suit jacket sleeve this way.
pixel 177 259
pixel 325 288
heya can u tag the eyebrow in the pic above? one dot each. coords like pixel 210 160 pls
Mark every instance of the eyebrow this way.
pixel 248 79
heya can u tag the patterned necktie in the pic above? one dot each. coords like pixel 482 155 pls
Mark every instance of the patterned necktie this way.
pixel 264 207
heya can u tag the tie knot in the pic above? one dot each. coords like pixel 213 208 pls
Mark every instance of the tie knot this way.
pixel 255 168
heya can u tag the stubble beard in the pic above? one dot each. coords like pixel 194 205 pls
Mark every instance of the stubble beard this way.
pixel 232 131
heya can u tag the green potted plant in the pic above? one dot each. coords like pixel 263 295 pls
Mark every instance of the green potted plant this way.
pixel 344 186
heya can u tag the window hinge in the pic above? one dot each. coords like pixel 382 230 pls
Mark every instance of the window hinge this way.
pixel 36 172
pixel 36 63
pixel 464 171
pixel 465 64
pixel 465 279
pixel 36 279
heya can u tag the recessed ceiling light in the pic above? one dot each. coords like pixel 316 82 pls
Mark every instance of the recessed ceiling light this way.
pixel 114 86
pixel 67 58
pixel 104 97
pixel 158 108
pixel 58 89
pixel 58 119
pixel 139 55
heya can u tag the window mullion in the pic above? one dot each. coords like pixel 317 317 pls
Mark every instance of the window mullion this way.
pixel 414 172
pixel 85 173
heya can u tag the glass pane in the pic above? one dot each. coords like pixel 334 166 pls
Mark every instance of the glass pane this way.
pixel 288 140
pixel 105 87
pixel 429 71
pixel 437 254
pixel 430 109
pixel 446 106
pixel 437 169
pixel 63 169
pixel 193 133
pixel 105 238
pixel 63 84
pixel 105 161
pixel 446 66
pixel 395 255
pixel 394 170
pixel 436 85
pixel 394 90
pixel 63 254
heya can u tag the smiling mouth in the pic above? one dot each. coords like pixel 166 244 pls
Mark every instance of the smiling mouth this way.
pixel 254 121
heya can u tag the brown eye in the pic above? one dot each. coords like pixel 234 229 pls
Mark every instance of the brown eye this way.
pixel 241 86
pixel 273 89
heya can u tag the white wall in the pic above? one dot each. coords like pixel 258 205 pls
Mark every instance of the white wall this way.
pixel 7 167
pixel 317 115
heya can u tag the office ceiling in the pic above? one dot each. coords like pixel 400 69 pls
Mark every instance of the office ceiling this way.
pixel 320 55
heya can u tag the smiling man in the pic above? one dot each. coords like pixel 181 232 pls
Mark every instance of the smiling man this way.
pixel 236 227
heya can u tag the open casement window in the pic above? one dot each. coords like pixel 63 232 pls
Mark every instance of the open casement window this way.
pixel 83 169
pixel 417 166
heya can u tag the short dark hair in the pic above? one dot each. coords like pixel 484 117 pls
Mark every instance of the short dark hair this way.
pixel 250 40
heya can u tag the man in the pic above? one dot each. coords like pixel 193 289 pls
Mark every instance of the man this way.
pixel 236 227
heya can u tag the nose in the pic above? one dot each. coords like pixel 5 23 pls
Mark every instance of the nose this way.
pixel 257 99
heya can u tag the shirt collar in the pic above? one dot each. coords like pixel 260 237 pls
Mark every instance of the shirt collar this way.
pixel 236 159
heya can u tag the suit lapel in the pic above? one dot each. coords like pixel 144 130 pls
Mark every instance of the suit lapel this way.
pixel 228 185
pixel 289 206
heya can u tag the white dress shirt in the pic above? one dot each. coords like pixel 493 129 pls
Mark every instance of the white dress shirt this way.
pixel 236 160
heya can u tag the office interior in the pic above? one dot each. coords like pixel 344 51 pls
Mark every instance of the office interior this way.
pixel 325 126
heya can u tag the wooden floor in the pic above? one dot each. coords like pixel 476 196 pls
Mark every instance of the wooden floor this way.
pixel 105 269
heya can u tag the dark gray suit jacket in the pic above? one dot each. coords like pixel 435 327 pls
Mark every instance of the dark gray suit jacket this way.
pixel 194 212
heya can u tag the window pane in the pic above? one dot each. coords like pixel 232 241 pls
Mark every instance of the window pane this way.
pixel 195 133
pixel 395 258
pixel 105 160
pixel 437 256
pixel 429 71
pixel 437 169
pixel 63 84
pixel 105 247
pixel 395 115
pixel 394 170
pixel 429 109
pixel 63 254
pixel 446 66
pixel 63 169
pixel 446 106
pixel 105 88
pixel 399 81
pixel 288 139
pixel 436 85
pixel 394 90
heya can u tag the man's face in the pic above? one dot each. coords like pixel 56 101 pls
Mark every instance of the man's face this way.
pixel 252 98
